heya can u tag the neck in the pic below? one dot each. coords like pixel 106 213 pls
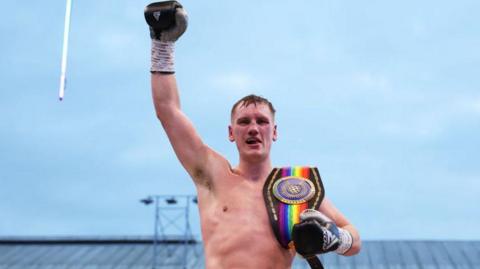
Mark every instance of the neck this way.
pixel 255 170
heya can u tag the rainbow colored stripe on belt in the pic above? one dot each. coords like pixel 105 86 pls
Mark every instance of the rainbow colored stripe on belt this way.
pixel 288 191
pixel 289 215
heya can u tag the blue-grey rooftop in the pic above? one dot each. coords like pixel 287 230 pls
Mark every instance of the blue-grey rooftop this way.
pixel 137 252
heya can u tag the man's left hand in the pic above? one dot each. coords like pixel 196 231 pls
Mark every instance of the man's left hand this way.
pixel 317 234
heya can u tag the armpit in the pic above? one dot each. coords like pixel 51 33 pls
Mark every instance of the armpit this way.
pixel 201 178
pixel 213 167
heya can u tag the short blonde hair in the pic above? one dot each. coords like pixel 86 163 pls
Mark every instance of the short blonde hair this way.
pixel 252 99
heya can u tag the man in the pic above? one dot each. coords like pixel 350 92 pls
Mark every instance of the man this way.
pixel 236 229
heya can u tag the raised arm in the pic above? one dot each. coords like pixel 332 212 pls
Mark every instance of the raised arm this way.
pixel 168 21
pixel 187 144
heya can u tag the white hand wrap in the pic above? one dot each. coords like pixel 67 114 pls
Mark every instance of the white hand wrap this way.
pixel 346 241
pixel 163 56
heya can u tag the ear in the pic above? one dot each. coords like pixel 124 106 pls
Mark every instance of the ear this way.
pixel 230 134
pixel 275 135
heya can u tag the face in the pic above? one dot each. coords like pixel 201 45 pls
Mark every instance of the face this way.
pixel 253 130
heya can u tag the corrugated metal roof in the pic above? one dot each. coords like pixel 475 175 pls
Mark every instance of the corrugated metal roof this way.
pixel 137 253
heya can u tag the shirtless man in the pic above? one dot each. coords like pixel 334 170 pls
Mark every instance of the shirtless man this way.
pixel 235 225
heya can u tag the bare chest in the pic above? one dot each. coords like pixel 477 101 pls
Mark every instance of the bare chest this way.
pixel 237 204
pixel 235 224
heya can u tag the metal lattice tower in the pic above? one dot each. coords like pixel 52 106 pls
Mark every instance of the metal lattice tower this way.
pixel 172 226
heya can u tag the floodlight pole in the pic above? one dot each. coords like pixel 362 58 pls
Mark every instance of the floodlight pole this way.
pixel 155 238
pixel 170 203
pixel 188 231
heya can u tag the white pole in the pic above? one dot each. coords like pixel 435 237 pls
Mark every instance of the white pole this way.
pixel 66 31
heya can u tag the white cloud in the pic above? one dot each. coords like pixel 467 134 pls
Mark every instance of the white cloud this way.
pixel 371 82
pixel 123 50
pixel 430 116
pixel 143 155
pixel 469 105
pixel 419 29
pixel 476 106
pixel 236 83
pixel 421 127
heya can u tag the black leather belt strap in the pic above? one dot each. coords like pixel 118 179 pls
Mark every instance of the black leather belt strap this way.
pixel 314 262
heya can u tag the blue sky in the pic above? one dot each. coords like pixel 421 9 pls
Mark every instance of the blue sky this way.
pixel 382 96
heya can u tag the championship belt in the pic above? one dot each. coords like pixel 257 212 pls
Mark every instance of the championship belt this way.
pixel 287 192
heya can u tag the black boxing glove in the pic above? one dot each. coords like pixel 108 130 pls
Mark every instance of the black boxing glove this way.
pixel 317 234
pixel 167 21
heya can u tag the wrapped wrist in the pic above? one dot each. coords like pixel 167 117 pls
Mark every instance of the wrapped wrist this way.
pixel 346 241
pixel 163 56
